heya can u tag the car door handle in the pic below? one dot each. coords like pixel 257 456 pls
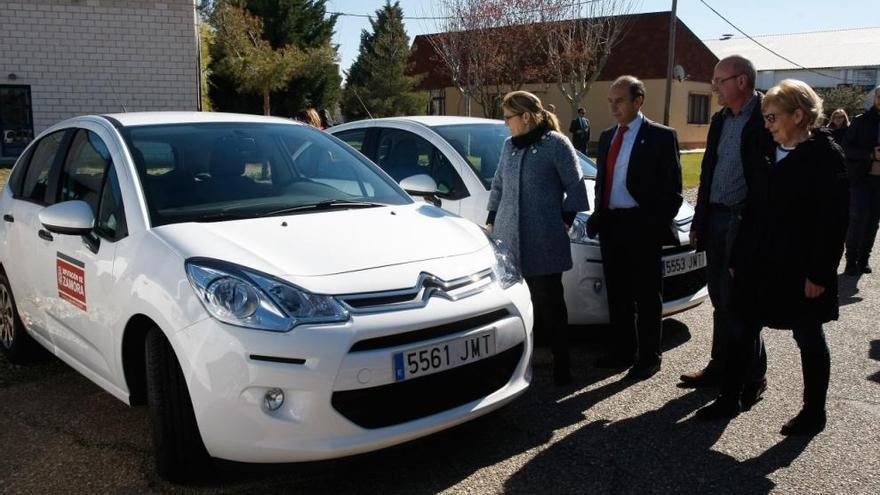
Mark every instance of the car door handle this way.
pixel 9 218
pixel 45 235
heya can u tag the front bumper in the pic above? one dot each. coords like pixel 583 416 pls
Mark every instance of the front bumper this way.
pixel 335 396
pixel 586 297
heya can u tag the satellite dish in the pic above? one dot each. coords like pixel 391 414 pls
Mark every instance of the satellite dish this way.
pixel 679 73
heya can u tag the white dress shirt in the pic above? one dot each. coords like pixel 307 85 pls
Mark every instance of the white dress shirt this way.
pixel 620 196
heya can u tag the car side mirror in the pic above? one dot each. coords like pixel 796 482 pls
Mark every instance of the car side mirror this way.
pixel 421 185
pixel 68 217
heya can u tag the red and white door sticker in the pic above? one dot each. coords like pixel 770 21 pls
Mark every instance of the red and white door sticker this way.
pixel 71 280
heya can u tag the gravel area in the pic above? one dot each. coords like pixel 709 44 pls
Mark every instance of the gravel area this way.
pixel 603 434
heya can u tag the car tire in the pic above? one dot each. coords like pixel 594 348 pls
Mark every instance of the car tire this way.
pixel 17 345
pixel 178 448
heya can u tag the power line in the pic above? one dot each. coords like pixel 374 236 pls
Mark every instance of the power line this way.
pixel 767 48
pixel 441 18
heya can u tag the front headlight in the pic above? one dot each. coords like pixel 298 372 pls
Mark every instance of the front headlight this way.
pixel 246 298
pixel 506 271
pixel 578 232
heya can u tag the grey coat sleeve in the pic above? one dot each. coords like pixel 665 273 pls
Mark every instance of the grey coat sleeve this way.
pixel 497 181
pixel 571 176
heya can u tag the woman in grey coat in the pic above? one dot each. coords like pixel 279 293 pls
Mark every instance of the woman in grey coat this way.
pixel 536 193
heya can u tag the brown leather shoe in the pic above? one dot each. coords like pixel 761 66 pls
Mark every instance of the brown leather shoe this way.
pixel 706 377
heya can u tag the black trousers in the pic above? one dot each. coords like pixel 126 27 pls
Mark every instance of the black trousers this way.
pixel 551 314
pixel 864 218
pixel 633 280
pixel 722 227
pixel 815 361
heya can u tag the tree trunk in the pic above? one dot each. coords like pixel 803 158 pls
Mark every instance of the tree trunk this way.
pixel 266 102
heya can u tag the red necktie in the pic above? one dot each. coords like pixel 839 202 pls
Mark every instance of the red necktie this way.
pixel 609 165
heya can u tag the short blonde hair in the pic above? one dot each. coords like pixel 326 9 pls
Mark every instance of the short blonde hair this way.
pixel 525 102
pixel 791 95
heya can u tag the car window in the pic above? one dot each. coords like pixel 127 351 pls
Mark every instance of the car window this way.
pixel 110 223
pixel 217 171
pixel 402 154
pixel 36 180
pixel 16 178
pixel 480 144
pixel 84 169
pixel 354 138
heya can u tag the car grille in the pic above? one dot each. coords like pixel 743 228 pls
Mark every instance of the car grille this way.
pixel 427 286
pixel 686 284
pixel 396 403
pixel 429 333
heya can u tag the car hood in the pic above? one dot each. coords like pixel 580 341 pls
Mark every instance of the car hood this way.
pixel 329 242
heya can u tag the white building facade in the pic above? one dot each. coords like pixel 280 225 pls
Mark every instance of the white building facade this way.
pixel 62 58
pixel 833 58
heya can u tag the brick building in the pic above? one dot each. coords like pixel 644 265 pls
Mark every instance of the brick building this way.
pixel 62 58
pixel 642 52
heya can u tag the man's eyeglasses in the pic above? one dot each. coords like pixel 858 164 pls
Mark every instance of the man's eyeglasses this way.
pixel 508 117
pixel 719 82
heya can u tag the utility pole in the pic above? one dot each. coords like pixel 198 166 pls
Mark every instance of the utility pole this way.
pixel 670 61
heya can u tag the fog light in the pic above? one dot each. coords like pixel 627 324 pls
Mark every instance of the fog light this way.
pixel 274 398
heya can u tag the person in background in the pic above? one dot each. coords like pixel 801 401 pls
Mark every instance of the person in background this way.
pixel 580 131
pixel 862 147
pixel 310 116
pixel 638 193
pixel 838 123
pixel 536 192
pixel 785 258
pixel 721 197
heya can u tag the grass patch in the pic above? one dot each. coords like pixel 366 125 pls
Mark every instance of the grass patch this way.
pixel 690 169
pixel 4 176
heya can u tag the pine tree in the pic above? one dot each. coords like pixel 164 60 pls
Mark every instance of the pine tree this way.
pixel 378 77
pixel 302 24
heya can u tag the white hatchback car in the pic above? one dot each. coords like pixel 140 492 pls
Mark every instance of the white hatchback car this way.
pixel 461 155
pixel 270 293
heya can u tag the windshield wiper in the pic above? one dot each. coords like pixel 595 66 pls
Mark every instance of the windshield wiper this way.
pixel 323 205
pixel 221 216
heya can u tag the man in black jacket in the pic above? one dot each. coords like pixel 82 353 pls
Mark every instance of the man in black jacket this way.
pixel 638 193
pixel 720 201
pixel 862 147
pixel 580 131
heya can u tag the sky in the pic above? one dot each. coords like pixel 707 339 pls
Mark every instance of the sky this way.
pixel 754 17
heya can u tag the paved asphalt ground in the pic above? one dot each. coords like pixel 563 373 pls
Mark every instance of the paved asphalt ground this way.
pixel 59 433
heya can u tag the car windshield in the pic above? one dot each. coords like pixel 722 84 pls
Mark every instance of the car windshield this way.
pixel 480 145
pixel 219 171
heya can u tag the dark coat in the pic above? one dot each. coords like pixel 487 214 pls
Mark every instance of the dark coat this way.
pixel 579 137
pixel 653 179
pixel 753 128
pixel 861 138
pixel 793 228
pixel 531 189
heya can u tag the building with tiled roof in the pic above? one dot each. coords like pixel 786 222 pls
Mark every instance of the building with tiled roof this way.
pixel 642 52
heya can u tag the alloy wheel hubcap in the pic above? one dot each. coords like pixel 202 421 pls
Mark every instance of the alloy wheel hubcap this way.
pixel 6 318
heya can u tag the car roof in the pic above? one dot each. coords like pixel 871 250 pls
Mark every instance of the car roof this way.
pixel 435 120
pixel 156 118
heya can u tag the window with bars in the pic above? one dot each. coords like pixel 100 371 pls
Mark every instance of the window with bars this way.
pixel 698 108
pixel 16 123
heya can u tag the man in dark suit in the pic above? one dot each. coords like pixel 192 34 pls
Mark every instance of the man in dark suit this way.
pixel 733 133
pixel 580 131
pixel 638 193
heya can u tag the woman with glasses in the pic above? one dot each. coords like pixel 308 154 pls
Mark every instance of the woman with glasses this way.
pixel 536 193
pixel 785 258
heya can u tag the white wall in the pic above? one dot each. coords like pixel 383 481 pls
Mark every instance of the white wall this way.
pixel 93 56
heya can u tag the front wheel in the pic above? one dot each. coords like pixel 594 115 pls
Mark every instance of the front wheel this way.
pixel 180 453
pixel 16 344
